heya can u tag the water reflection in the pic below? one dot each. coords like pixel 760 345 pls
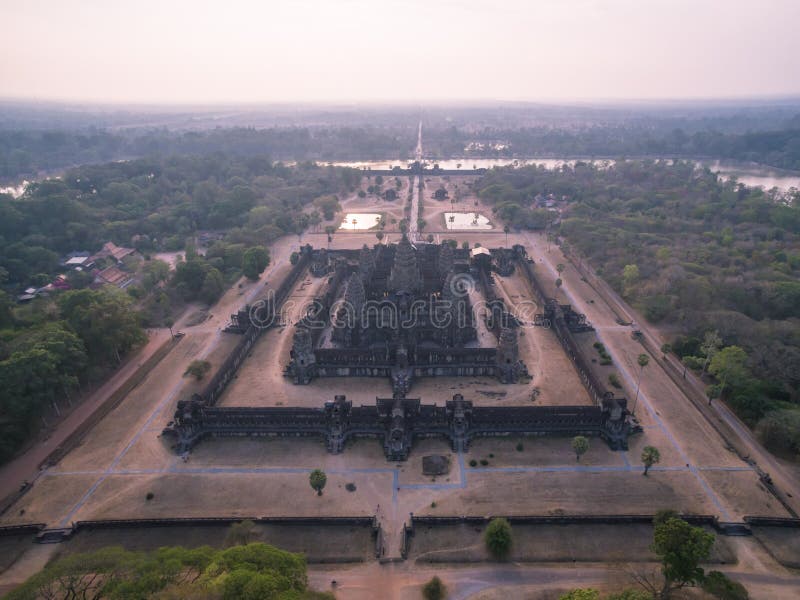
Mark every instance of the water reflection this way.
pixel 747 173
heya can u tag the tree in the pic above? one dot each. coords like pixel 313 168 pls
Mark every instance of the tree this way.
pixel 729 366
pixel 251 571
pixel 434 590
pixel 498 538
pixel 681 548
pixel 630 276
pixel 379 236
pixel 650 456
pixel 213 286
pixel 198 369
pixel 317 480
pixel 712 342
pixel 506 229
pixel 580 445
pixel 153 273
pixel 104 320
pixel 559 283
pixel 630 594
pixel 240 533
pixel 663 515
pixel 254 261
pixel 329 205
pixel 581 594
pixel 643 360
pixel 666 349
pixel 723 587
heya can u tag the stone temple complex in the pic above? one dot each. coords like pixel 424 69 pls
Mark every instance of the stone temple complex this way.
pixel 405 312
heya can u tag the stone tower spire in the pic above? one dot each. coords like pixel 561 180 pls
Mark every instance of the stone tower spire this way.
pixel 445 264
pixel 366 263
pixel 405 274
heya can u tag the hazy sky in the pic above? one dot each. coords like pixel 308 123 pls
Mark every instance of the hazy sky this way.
pixel 261 51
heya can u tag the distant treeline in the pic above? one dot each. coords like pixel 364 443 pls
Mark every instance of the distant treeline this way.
pixel 780 148
pixel 25 153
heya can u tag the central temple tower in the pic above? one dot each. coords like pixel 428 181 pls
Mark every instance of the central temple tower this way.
pixel 405 273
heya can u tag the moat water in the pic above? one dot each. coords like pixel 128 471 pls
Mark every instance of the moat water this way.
pixel 747 173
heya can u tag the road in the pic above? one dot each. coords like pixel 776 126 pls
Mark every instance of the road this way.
pixel 413 229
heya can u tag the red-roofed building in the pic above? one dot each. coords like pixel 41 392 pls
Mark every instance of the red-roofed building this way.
pixel 111 250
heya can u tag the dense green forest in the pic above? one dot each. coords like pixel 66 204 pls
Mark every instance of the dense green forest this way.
pixel 24 153
pixel 254 571
pixel 156 204
pixel 53 345
pixel 717 259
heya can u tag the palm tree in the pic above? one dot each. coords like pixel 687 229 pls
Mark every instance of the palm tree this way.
pixel 643 361
pixel 650 456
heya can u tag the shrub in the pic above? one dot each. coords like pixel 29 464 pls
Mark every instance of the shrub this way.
pixel 614 380
pixel 484 462
pixel 350 487
pixel 520 447
pixel 434 590
pixel 581 594
pixel 473 463
pixel 149 496
pixel 198 369
pixel 721 586
pixel 695 363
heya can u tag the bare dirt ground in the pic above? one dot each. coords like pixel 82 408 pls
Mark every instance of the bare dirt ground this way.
pixel 554 376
